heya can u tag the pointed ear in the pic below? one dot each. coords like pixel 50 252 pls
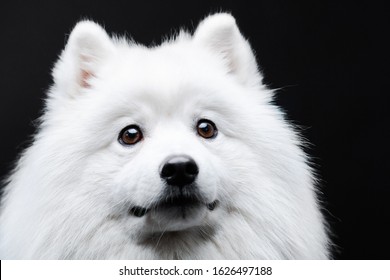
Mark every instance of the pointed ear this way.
pixel 87 48
pixel 220 35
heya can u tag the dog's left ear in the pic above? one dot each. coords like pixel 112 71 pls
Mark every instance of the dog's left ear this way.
pixel 220 34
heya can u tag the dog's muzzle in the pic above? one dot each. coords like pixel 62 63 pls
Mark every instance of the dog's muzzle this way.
pixel 179 172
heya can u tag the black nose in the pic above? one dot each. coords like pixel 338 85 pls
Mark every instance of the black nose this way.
pixel 179 171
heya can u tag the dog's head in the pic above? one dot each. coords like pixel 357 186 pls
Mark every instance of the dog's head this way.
pixel 163 139
pixel 174 151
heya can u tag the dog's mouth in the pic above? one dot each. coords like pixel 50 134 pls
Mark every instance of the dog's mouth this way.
pixel 180 205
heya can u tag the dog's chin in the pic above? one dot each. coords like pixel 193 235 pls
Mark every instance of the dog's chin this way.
pixel 178 218
pixel 174 215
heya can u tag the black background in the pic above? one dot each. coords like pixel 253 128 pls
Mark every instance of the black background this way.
pixel 327 57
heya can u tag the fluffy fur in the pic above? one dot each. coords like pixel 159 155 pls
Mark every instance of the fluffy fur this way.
pixel 70 194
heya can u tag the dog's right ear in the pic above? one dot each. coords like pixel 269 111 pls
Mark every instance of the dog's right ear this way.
pixel 87 48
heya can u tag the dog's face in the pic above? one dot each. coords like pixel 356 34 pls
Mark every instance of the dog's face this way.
pixel 161 156
pixel 167 168
pixel 162 133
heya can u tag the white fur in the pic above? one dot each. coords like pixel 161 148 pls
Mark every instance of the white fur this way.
pixel 69 195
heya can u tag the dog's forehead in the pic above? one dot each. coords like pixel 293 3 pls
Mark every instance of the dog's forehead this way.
pixel 165 81
pixel 166 65
pixel 161 73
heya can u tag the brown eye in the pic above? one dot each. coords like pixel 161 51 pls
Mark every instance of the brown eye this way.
pixel 130 135
pixel 206 129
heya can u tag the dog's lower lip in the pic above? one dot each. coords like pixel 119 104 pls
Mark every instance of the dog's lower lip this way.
pixel 141 211
pixel 138 211
pixel 211 206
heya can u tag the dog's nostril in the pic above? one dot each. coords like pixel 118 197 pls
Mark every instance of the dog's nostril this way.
pixel 168 170
pixel 179 170
pixel 191 168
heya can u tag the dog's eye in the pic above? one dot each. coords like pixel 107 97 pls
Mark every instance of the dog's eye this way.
pixel 206 129
pixel 130 135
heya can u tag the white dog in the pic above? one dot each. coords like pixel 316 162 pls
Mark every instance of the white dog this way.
pixel 170 152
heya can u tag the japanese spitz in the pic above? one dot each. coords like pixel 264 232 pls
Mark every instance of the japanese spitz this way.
pixel 169 152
